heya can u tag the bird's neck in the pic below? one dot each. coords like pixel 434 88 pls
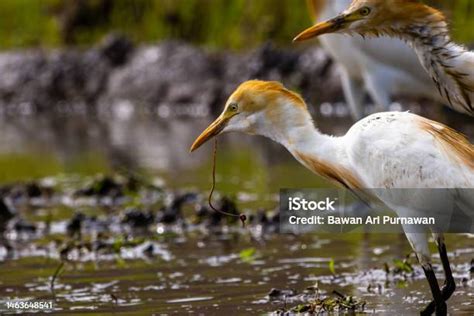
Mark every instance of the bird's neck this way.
pixel 444 60
pixel 323 154
pixel 293 127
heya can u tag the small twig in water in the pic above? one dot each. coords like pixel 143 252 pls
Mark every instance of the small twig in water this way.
pixel 242 217
pixel 339 294
pixel 114 298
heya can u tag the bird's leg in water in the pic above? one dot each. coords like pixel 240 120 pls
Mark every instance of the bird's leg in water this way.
pixel 438 303
pixel 449 284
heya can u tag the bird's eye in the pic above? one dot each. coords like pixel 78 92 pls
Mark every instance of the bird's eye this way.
pixel 233 107
pixel 364 11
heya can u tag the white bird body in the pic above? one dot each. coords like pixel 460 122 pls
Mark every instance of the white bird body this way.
pixel 384 150
pixel 394 150
pixel 389 151
pixel 383 67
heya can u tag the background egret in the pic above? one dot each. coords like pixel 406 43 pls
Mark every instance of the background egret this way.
pixel 450 66
pixel 383 67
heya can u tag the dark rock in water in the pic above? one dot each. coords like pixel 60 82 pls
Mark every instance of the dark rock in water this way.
pixel 111 186
pixel 132 184
pixel 274 293
pixel 280 294
pixel 472 267
pixel 213 218
pixel 169 215
pixel 6 212
pixel 33 190
pixel 205 214
pixel 202 212
pixel 270 224
pixel 75 224
pixel 276 218
pixel 117 49
pixel 180 200
pixel 227 205
pixel 108 186
pixel 138 218
pixel 24 227
pixel 148 251
pixel 173 212
pixel 102 187
pixel 26 190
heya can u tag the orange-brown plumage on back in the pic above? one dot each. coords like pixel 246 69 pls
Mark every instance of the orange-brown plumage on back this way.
pixel 425 29
pixel 456 145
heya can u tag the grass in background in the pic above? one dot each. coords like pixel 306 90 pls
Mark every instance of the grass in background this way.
pixel 234 24
pixel 463 20
pixel 26 23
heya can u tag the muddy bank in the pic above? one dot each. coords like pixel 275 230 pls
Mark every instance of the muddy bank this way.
pixel 92 212
pixel 167 74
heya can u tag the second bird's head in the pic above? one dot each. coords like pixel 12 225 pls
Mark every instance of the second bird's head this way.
pixel 377 17
pixel 256 107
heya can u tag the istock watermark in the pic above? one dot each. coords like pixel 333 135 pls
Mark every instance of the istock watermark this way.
pixel 298 204
pixel 338 210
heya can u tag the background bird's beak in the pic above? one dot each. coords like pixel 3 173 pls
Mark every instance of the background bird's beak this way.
pixel 330 26
pixel 213 130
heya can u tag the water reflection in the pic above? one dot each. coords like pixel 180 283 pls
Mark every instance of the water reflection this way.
pixel 135 138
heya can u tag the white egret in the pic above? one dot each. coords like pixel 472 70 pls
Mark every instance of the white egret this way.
pixel 450 66
pixel 383 67
pixel 385 150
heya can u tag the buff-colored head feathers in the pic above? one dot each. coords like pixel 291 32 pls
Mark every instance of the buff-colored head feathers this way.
pixel 387 15
pixel 253 107
pixel 253 95
pixel 378 17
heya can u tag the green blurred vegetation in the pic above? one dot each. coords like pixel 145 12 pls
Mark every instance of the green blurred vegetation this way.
pixel 25 166
pixel 234 24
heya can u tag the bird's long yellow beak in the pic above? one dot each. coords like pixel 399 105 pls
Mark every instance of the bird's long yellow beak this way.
pixel 330 26
pixel 212 130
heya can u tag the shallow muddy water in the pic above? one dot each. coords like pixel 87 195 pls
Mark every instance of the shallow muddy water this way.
pixel 186 266
pixel 213 275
